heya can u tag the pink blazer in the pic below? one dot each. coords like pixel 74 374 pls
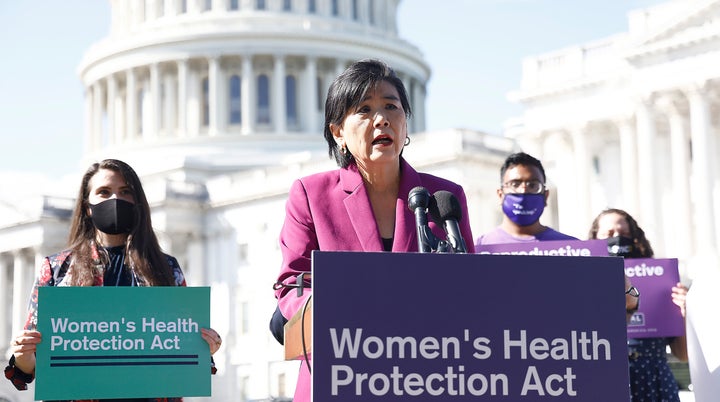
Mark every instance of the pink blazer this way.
pixel 331 211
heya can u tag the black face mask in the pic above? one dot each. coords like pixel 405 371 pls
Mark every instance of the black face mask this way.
pixel 113 216
pixel 623 247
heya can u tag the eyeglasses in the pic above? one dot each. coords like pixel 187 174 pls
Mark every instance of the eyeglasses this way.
pixel 531 186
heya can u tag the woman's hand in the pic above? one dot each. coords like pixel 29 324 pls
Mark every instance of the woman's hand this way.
pixel 23 347
pixel 679 294
pixel 678 346
pixel 212 338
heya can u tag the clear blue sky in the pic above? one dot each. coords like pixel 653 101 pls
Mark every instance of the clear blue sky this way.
pixel 474 47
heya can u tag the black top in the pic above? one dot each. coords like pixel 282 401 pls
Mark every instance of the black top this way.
pixel 387 244
pixel 116 272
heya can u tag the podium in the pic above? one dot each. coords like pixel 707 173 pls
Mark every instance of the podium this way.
pixel 422 327
pixel 298 333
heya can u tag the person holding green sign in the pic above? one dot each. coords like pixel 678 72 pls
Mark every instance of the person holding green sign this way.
pixel 111 243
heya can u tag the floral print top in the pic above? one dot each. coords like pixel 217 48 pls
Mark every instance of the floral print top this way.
pixel 651 379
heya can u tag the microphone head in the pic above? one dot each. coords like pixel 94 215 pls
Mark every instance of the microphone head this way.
pixel 419 197
pixel 445 206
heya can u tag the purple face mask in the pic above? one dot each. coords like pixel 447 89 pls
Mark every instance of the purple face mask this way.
pixel 523 209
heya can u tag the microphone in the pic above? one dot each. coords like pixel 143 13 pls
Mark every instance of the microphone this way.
pixel 418 201
pixel 447 212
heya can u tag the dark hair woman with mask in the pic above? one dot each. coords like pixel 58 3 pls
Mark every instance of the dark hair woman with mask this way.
pixel 111 243
pixel 650 376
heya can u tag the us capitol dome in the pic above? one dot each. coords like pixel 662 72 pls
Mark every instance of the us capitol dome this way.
pixel 216 81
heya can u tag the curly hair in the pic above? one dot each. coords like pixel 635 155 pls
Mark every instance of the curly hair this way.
pixel 641 243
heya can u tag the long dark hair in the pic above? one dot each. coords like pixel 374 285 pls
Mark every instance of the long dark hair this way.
pixel 640 242
pixel 348 90
pixel 142 250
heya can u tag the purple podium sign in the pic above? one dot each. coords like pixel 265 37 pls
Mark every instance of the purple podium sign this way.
pixel 455 327
pixel 657 316
pixel 562 248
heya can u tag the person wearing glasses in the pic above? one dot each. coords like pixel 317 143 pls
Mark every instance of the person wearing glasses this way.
pixel 523 196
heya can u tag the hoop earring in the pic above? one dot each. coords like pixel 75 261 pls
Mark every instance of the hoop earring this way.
pixel 407 140
pixel 343 149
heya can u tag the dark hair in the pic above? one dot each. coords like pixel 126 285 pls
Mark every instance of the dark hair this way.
pixel 521 158
pixel 348 90
pixel 143 253
pixel 638 235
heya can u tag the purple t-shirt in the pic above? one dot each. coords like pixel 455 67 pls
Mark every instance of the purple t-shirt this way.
pixel 499 236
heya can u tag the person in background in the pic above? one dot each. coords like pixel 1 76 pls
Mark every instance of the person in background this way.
pixel 650 377
pixel 523 196
pixel 111 243
pixel 362 206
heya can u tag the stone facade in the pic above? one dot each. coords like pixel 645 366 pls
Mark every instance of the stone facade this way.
pixel 630 121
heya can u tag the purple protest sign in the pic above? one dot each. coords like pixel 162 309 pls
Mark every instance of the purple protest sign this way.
pixel 563 248
pixel 429 327
pixel 657 316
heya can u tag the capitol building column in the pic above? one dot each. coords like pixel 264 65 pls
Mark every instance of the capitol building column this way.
pixel 702 174
pixel 418 100
pixel 98 109
pixel 170 7
pixel 214 108
pixel 555 150
pixel 628 163
pixel 22 285
pixel 182 97
pixel 681 237
pixel 5 303
pixel 278 95
pixel 218 5
pixel 112 133
pixel 194 96
pixel 247 89
pixel 582 178
pixel 151 132
pixel 89 115
pixel 311 95
pixel 169 108
pixel 193 6
pixel 647 183
pixel 131 106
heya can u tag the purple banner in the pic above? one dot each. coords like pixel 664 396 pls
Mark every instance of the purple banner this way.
pixel 562 248
pixel 657 316
pixel 455 327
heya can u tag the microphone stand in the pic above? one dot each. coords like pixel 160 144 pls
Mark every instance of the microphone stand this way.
pixel 445 211
pixel 429 242
pixel 420 201
pixel 442 247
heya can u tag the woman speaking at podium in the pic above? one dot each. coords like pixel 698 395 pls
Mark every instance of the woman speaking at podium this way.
pixel 362 206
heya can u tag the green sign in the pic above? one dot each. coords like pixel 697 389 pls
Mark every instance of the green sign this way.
pixel 122 342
